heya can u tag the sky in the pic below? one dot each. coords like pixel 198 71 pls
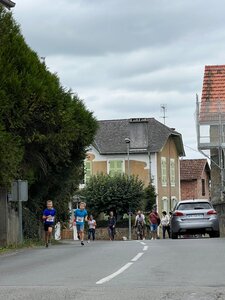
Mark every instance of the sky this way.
pixel 128 58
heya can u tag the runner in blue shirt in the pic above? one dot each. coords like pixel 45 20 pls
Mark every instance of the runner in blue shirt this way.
pixel 49 221
pixel 80 216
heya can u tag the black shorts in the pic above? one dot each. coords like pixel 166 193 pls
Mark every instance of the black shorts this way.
pixel 46 226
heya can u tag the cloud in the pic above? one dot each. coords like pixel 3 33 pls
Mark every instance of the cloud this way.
pixel 126 58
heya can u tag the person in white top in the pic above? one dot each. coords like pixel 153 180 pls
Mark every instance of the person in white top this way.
pixel 141 218
pixel 91 228
pixel 165 221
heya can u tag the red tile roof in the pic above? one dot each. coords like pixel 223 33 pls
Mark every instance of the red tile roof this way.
pixel 213 91
pixel 192 169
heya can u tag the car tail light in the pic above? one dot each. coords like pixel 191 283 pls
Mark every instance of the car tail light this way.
pixel 178 214
pixel 212 212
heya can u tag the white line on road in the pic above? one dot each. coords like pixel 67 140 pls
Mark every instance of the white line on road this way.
pixel 143 243
pixel 121 270
pixel 137 256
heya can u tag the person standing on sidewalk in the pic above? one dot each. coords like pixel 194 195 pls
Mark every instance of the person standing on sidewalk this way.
pixel 91 228
pixel 80 215
pixel 165 221
pixel 154 221
pixel 49 221
pixel 111 226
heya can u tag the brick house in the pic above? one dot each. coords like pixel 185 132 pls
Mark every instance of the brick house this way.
pixel 152 153
pixel 211 133
pixel 195 179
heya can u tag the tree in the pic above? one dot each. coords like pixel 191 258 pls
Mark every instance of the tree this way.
pixel 44 130
pixel 118 193
pixel 149 197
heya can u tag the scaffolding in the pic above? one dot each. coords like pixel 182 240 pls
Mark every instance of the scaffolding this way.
pixel 210 123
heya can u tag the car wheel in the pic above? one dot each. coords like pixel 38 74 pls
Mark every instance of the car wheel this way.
pixel 174 236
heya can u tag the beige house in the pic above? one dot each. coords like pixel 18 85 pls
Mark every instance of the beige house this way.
pixel 143 147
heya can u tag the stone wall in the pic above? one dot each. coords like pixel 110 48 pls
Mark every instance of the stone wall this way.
pixel 102 234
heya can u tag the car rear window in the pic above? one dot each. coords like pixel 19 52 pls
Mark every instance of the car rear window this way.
pixel 194 205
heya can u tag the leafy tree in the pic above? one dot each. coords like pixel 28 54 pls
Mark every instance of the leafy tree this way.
pixel 44 130
pixel 149 197
pixel 118 193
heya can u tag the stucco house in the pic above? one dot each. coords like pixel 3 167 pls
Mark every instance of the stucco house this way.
pixel 195 179
pixel 143 147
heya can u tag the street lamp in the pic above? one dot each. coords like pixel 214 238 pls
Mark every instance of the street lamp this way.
pixel 7 3
pixel 127 141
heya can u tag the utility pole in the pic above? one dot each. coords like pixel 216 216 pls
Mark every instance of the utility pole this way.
pixel 127 141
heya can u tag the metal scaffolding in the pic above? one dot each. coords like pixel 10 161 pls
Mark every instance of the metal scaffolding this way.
pixel 210 123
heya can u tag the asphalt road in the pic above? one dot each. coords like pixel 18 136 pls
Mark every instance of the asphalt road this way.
pixel 162 269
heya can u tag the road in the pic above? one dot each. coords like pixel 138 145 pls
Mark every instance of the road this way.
pixel 162 269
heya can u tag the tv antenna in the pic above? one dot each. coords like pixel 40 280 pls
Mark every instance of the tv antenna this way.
pixel 164 109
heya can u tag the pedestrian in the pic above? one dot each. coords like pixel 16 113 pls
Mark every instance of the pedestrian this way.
pixel 49 220
pixel 91 228
pixel 111 226
pixel 80 215
pixel 154 221
pixel 139 224
pixel 165 221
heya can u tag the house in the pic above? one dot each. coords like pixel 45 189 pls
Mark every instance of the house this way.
pixel 211 125
pixel 194 178
pixel 143 147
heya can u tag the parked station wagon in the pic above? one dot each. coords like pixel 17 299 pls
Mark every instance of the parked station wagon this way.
pixel 194 217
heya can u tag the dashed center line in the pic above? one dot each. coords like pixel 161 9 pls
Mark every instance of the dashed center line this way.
pixel 121 270
pixel 124 268
pixel 137 256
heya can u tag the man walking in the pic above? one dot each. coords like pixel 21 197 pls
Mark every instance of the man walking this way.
pixel 154 221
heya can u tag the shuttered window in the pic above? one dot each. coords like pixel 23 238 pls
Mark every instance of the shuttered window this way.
pixel 163 171
pixel 87 171
pixel 172 172
pixel 115 167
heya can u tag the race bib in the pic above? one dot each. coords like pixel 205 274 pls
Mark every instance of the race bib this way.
pixel 50 219
pixel 80 219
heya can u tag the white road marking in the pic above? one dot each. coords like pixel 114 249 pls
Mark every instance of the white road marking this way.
pixel 125 267
pixel 137 256
pixel 121 270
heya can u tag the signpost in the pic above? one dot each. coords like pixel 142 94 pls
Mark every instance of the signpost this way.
pixel 20 194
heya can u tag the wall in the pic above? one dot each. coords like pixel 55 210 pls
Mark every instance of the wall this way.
pixel 9 221
pixel 139 164
pixel 189 189
pixel 169 151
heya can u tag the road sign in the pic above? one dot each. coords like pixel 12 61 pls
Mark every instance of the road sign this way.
pixel 19 190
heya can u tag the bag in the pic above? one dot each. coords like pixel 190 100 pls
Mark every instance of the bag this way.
pixel 158 221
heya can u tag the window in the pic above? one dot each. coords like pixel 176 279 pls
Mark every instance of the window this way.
pixel 203 187
pixel 115 167
pixel 174 202
pixel 87 171
pixel 163 171
pixel 172 172
pixel 165 204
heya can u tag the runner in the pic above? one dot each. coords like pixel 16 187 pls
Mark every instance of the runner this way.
pixel 80 215
pixel 49 220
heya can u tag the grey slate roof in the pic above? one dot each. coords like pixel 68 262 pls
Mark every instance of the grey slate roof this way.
pixel 144 133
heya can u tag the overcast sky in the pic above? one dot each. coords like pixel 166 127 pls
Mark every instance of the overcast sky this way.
pixel 127 58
